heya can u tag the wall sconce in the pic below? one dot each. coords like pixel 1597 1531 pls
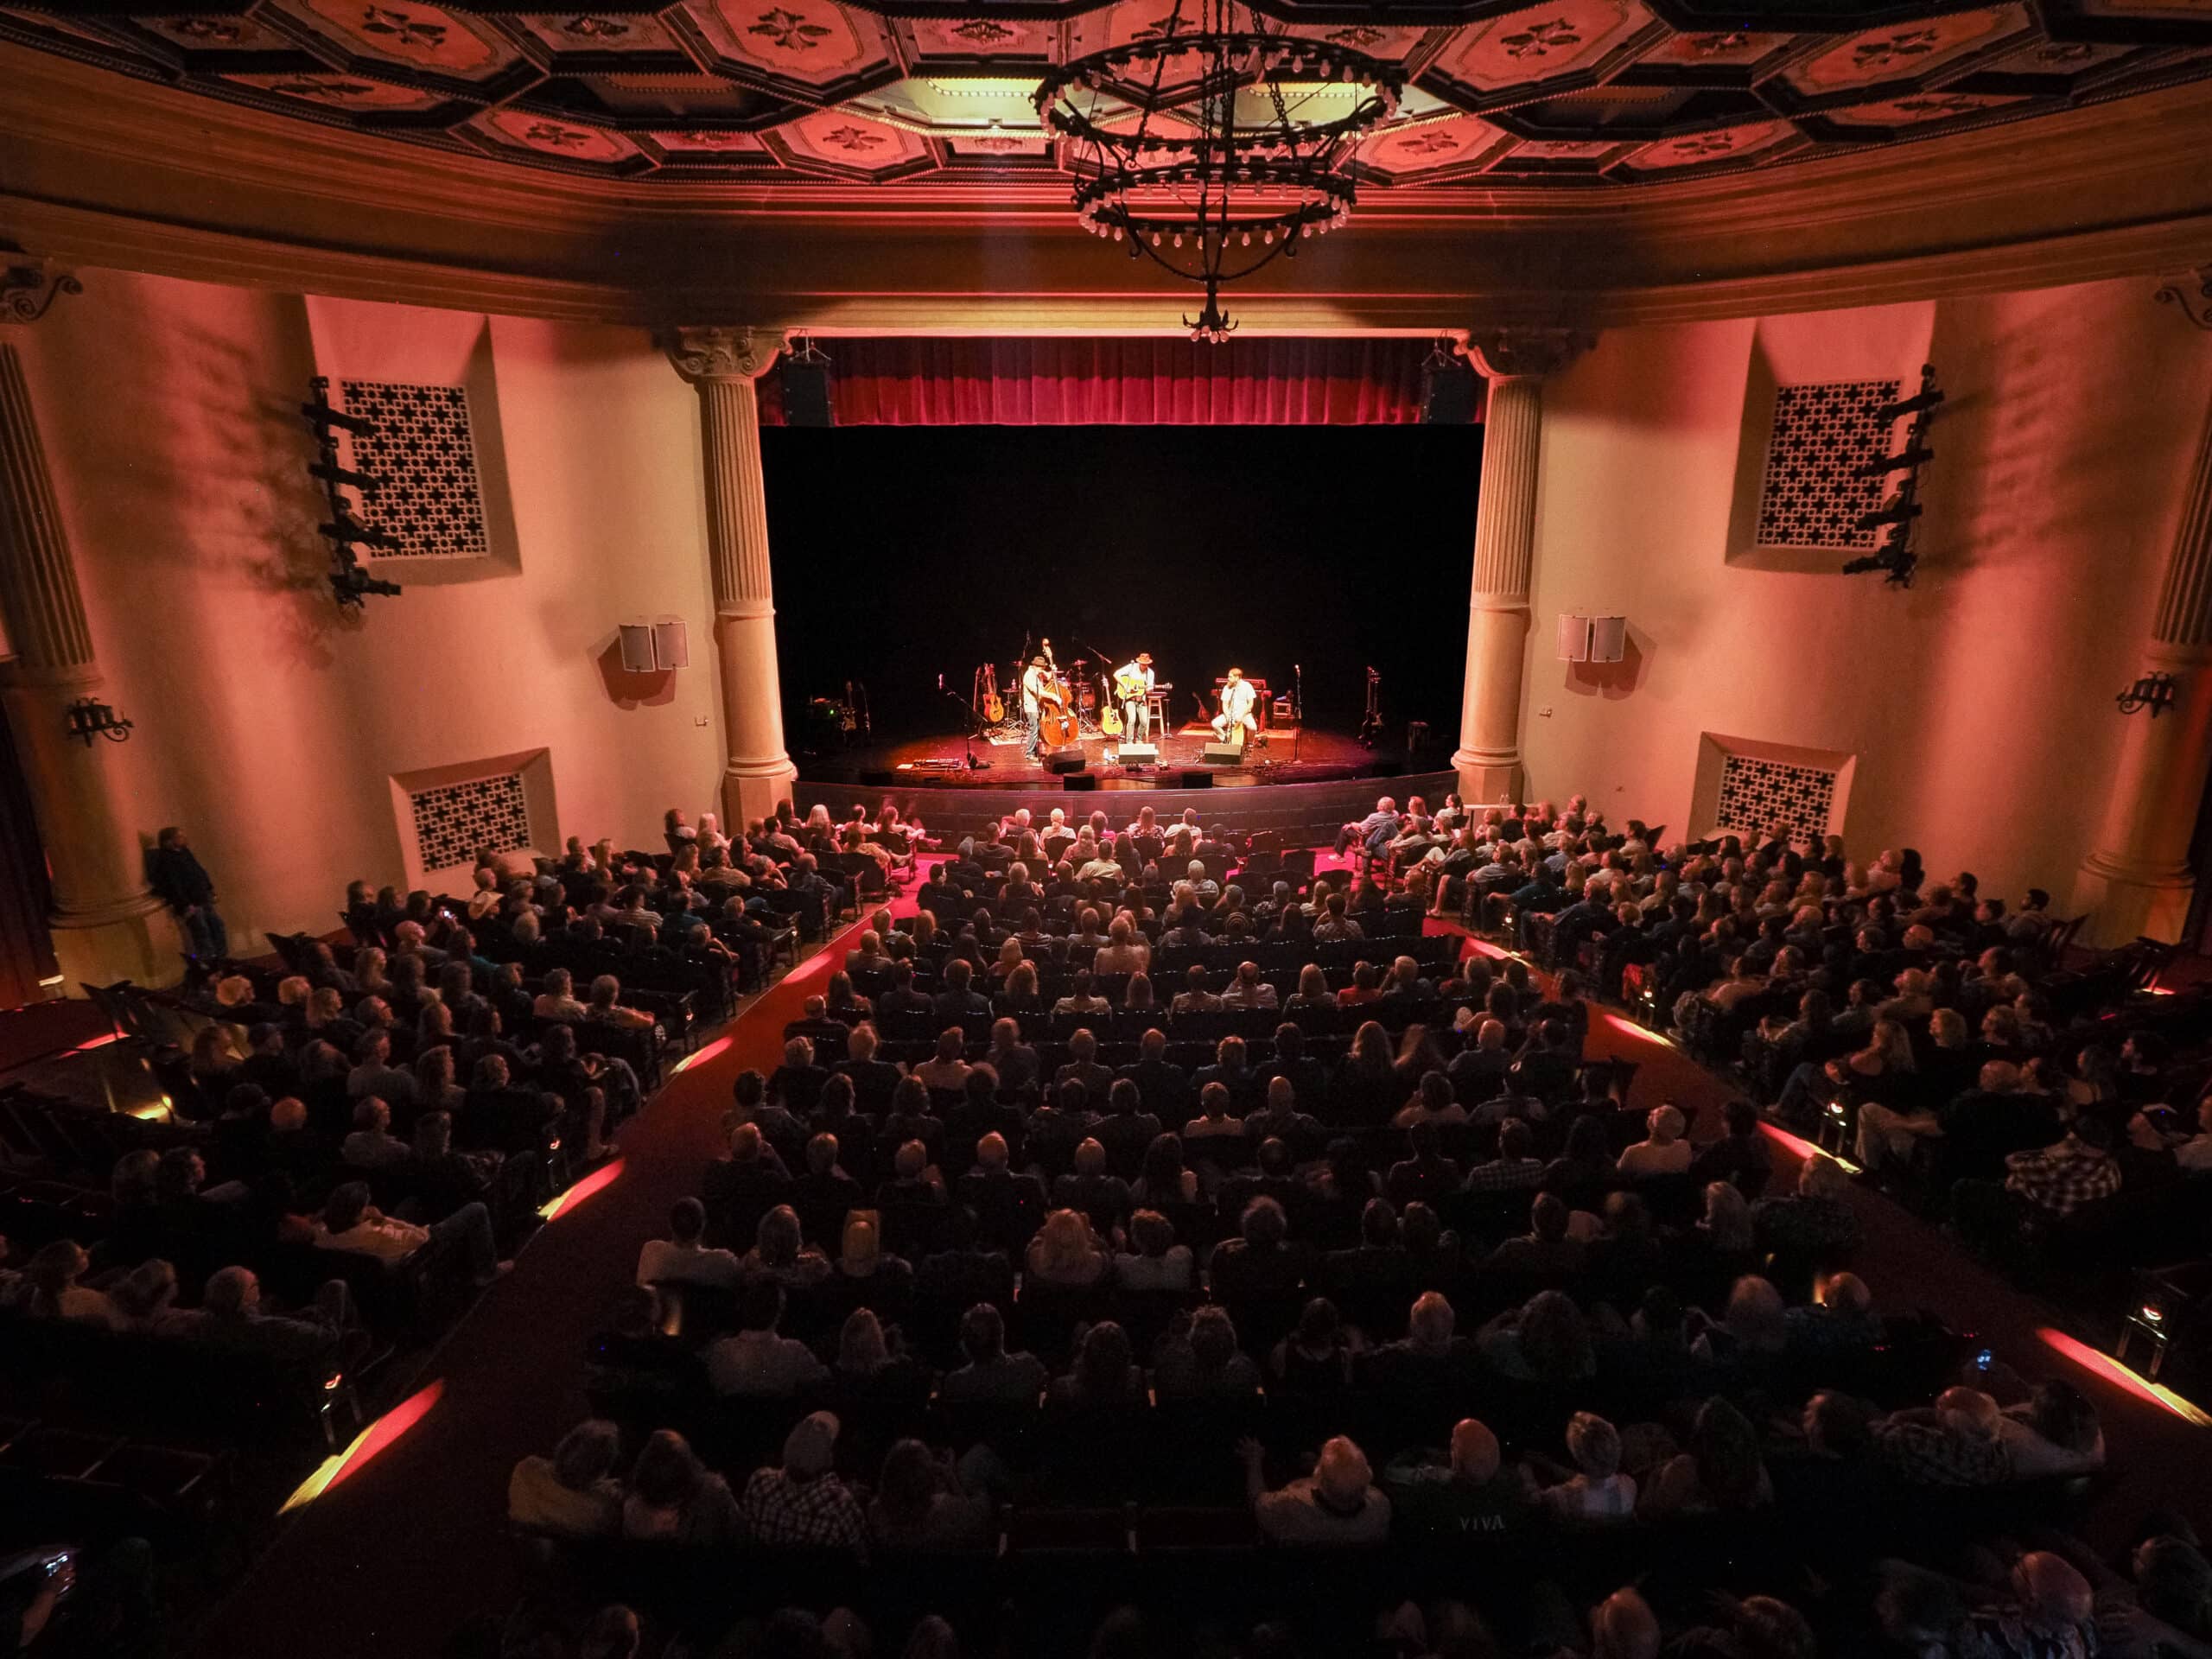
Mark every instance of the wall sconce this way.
pixel 2153 691
pixel 90 718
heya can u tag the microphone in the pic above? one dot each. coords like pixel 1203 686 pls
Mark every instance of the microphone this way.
pixel 940 682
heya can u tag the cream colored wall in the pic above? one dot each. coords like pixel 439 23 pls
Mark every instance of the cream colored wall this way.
pixel 1979 703
pixel 268 722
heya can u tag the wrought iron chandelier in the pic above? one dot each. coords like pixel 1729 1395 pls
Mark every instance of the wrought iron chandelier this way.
pixel 1268 124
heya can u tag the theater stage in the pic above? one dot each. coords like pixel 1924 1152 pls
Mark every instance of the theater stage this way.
pixel 1305 788
pixel 1286 756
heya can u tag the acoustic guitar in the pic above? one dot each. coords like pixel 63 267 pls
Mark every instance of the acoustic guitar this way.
pixel 993 704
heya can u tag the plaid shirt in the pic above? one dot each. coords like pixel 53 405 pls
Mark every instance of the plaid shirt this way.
pixel 2063 1177
pixel 1504 1174
pixel 819 1513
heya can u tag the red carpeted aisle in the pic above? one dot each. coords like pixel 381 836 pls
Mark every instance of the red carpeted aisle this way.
pixel 392 1562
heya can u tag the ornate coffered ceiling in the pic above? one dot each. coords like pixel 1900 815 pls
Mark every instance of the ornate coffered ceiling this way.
pixel 1570 92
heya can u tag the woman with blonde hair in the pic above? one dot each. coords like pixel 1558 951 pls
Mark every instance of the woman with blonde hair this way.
pixel 1066 1254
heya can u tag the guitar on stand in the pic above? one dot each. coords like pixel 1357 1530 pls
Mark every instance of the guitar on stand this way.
pixel 991 705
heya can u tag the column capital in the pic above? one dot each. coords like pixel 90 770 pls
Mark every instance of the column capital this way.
pixel 1515 354
pixel 723 352
pixel 2192 291
pixel 29 285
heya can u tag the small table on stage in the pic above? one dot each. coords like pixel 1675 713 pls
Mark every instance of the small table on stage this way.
pixel 1261 702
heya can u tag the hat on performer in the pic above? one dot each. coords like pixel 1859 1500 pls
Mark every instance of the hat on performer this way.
pixel 1036 662
pixel 1145 656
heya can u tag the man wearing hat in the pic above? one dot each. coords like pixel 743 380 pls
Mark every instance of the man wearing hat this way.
pixel 1133 683
pixel 804 1504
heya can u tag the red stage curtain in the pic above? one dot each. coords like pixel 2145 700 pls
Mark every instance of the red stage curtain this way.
pixel 26 952
pixel 909 381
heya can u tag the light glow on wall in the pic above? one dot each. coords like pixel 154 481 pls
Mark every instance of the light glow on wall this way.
pixel 597 1181
pixel 372 1442
pixel 2112 1371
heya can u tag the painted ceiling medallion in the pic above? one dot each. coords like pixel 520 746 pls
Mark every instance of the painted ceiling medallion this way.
pixel 1697 148
pixel 427 37
pixel 341 91
pixel 1539 45
pixel 1880 56
pixel 563 138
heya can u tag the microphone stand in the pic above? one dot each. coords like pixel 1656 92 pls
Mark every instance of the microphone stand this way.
pixel 1298 707
pixel 969 720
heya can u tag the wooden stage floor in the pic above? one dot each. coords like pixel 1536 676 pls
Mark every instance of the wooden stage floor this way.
pixel 1284 756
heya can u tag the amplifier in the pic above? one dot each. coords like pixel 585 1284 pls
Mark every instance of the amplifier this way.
pixel 1064 760
pixel 1133 754
pixel 1222 755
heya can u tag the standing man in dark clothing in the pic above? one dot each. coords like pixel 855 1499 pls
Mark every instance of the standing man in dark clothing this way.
pixel 183 883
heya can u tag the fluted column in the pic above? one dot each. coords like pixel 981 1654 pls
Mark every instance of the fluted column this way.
pixel 722 363
pixel 106 924
pixel 2138 879
pixel 1515 362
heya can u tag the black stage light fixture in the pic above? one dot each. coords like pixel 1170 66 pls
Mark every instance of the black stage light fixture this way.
pixel 806 387
pixel 1449 388
pixel 345 530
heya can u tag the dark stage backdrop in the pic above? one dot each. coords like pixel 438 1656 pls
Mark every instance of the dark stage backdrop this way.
pixel 902 553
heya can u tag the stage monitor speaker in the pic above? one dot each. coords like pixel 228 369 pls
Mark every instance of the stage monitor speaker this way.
pixel 1198 780
pixel 1448 392
pixel 1080 780
pixel 672 646
pixel 1064 760
pixel 806 393
pixel 1137 754
pixel 1608 638
pixel 637 648
pixel 1222 755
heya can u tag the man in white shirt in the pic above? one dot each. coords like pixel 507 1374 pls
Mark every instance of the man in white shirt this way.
pixel 349 1221
pixel 758 1361
pixel 1034 679
pixel 683 1257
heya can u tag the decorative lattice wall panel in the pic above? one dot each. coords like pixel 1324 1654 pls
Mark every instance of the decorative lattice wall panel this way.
pixel 1823 432
pixel 432 502
pixel 454 820
pixel 1757 793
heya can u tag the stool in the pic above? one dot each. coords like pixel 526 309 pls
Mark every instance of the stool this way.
pixel 1156 713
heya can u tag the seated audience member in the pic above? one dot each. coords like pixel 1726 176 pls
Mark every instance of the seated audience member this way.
pixel 1720 1472
pixel 1066 1255
pixel 1597 1493
pixel 682 1256
pixel 918 1504
pixel 1954 1443
pixel 2054 1432
pixel 759 1362
pixel 1199 1359
pixel 572 1494
pixel 232 1314
pixel 804 1504
pixel 373 1146
pixel 1104 1374
pixel 673 1499
pixel 1743 1156
pixel 991 1376
pixel 1664 1153
pixel 1153 1260
pixel 1338 1504
pixel 349 1221
pixel 781 1253
pixel 50 1290
pixel 1460 1494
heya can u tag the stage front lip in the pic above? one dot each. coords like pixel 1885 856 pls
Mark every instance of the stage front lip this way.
pixel 1305 810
